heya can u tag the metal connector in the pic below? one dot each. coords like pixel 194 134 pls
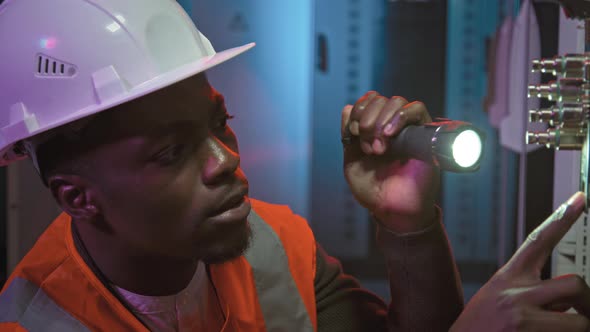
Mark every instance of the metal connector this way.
pixel 563 115
pixel 569 65
pixel 567 90
pixel 559 138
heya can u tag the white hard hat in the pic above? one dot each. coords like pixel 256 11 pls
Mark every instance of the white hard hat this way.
pixel 63 60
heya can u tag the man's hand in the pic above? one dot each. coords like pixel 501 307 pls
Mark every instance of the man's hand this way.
pixel 516 299
pixel 400 193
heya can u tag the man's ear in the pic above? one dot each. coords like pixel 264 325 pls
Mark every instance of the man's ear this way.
pixel 74 196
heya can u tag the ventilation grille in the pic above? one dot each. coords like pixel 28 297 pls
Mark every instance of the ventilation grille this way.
pixel 49 67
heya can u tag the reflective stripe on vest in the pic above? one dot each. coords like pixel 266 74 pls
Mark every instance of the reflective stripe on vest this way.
pixel 280 302
pixel 26 304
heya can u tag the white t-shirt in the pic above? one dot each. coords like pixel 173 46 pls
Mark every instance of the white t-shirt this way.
pixel 185 311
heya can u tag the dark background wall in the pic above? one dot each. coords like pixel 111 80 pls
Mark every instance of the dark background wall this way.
pixel 411 65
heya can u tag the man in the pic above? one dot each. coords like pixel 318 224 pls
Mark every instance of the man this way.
pixel 158 232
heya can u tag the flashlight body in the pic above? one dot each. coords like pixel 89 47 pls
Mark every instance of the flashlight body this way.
pixel 433 144
pixel 414 142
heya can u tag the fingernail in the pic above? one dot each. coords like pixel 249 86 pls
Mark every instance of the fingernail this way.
pixel 394 123
pixel 577 202
pixel 378 146
pixel 388 130
pixel 573 206
pixel 354 127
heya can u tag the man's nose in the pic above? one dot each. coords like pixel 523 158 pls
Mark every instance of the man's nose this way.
pixel 221 162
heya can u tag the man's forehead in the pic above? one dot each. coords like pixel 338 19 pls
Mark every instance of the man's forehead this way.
pixel 183 105
pixel 190 100
pixel 176 109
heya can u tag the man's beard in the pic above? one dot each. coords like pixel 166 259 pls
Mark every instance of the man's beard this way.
pixel 229 250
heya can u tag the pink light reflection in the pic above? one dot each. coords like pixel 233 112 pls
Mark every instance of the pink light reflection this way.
pixel 48 43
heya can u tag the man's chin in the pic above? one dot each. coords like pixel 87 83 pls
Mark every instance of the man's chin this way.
pixel 228 251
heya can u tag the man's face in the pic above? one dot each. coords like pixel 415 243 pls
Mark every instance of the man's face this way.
pixel 167 180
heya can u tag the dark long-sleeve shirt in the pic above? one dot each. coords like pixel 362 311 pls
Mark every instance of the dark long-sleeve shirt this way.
pixel 424 283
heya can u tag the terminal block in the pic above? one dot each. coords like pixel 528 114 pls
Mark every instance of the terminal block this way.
pixel 572 253
pixel 569 115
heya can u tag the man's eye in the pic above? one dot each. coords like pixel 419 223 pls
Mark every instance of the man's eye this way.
pixel 222 124
pixel 171 154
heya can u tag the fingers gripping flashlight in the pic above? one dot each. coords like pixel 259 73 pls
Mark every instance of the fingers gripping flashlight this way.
pixel 454 146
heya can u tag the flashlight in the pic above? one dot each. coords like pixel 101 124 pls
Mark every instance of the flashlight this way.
pixel 454 146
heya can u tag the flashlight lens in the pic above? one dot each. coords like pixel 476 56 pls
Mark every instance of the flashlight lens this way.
pixel 467 148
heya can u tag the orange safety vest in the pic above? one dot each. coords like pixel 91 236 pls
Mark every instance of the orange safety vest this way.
pixel 269 287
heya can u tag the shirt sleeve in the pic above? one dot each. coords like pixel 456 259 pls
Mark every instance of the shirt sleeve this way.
pixel 425 289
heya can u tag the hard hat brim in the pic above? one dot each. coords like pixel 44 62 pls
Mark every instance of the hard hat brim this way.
pixel 155 84
pixel 186 71
pixel 160 82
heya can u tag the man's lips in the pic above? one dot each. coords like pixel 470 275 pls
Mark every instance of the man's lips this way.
pixel 231 202
pixel 233 214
